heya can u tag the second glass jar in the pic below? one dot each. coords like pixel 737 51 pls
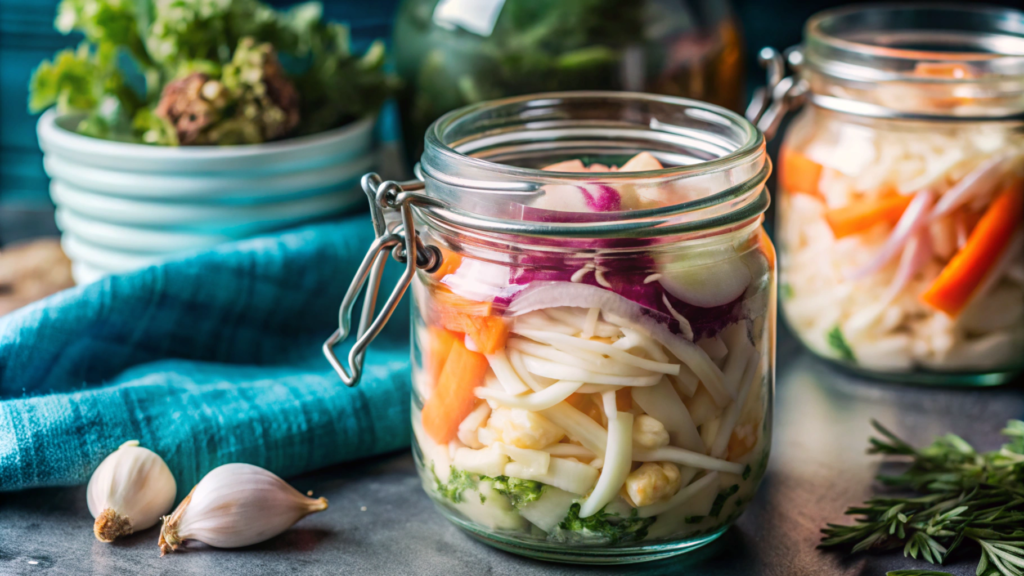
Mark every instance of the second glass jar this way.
pixel 901 194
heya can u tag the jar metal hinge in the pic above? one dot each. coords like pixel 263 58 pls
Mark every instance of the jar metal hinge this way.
pixel 781 94
pixel 401 239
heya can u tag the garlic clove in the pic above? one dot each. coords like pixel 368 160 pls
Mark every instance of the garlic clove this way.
pixel 236 505
pixel 129 491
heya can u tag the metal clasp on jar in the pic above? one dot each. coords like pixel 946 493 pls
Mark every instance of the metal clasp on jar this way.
pixel 781 94
pixel 406 247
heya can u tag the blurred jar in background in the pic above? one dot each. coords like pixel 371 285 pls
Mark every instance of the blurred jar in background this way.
pixel 451 53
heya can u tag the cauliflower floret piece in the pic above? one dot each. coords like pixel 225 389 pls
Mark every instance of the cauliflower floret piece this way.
pixel 520 428
pixel 652 482
pixel 649 432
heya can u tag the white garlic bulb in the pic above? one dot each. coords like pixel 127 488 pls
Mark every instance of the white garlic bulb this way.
pixel 129 491
pixel 236 505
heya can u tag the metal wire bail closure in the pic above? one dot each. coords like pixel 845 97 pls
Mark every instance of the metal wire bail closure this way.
pixel 780 95
pixel 406 248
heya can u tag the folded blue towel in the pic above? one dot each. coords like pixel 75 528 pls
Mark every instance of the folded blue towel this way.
pixel 207 360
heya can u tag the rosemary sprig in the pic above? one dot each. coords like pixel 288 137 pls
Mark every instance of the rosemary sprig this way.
pixel 958 497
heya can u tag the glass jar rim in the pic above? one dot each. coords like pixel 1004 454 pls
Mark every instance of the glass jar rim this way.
pixel 888 42
pixel 441 148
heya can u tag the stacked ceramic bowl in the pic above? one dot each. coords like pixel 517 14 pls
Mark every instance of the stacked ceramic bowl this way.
pixel 123 206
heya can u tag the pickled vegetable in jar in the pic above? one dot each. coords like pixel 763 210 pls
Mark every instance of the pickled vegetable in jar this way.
pixel 901 193
pixel 594 322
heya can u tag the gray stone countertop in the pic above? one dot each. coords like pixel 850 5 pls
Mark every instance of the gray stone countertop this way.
pixel 380 521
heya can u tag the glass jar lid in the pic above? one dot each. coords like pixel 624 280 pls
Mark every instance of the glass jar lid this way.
pixel 482 165
pixel 958 62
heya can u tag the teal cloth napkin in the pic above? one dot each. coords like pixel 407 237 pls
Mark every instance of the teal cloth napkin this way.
pixel 207 360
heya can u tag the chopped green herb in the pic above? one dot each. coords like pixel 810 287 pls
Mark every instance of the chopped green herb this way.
pixel 458 482
pixel 960 496
pixel 785 291
pixel 483 498
pixel 615 528
pixel 746 472
pixel 695 519
pixel 719 503
pixel 837 342
pixel 517 490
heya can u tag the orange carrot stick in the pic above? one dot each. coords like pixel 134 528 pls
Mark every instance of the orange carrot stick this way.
pixel 453 398
pixel 450 262
pixel 488 333
pixel 473 318
pixel 863 215
pixel 953 288
pixel 439 346
pixel 798 173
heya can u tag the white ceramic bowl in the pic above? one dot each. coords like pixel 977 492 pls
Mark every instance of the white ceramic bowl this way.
pixel 122 206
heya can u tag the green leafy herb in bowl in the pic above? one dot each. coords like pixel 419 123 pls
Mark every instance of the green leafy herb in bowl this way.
pixel 213 72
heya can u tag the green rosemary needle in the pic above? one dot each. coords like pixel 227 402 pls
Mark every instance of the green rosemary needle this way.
pixel 951 496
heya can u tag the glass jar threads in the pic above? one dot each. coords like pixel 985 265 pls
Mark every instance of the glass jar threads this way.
pixel 901 193
pixel 593 323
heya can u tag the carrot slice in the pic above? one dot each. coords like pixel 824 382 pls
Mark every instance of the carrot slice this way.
pixel 449 302
pixel 863 215
pixel 641 162
pixel 566 166
pixel 623 400
pixel 798 173
pixel 439 347
pixel 965 271
pixel 453 398
pixel 450 262
pixel 473 318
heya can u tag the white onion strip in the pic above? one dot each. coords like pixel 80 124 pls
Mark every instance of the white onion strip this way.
pixel 571 343
pixel 558 371
pixel 686 382
pixel 570 317
pixel 569 450
pixel 578 426
pixel 740 349
pixel 679 498
pixel 618 458
pixel 590 326
pixel 663 404
pixel 621 311
pixel 633 339
pixel 732 414
pixel 505 373
pixel 598 388
pixel 916 254
pixel 534 402
pixel 913 218
pixel 687 458
pixel 575 357
pixel 516 358
pixel 979 181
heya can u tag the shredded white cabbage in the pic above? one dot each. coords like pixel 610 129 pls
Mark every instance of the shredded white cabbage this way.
pixel 534 402
pixel 617 458
pixel 881 318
